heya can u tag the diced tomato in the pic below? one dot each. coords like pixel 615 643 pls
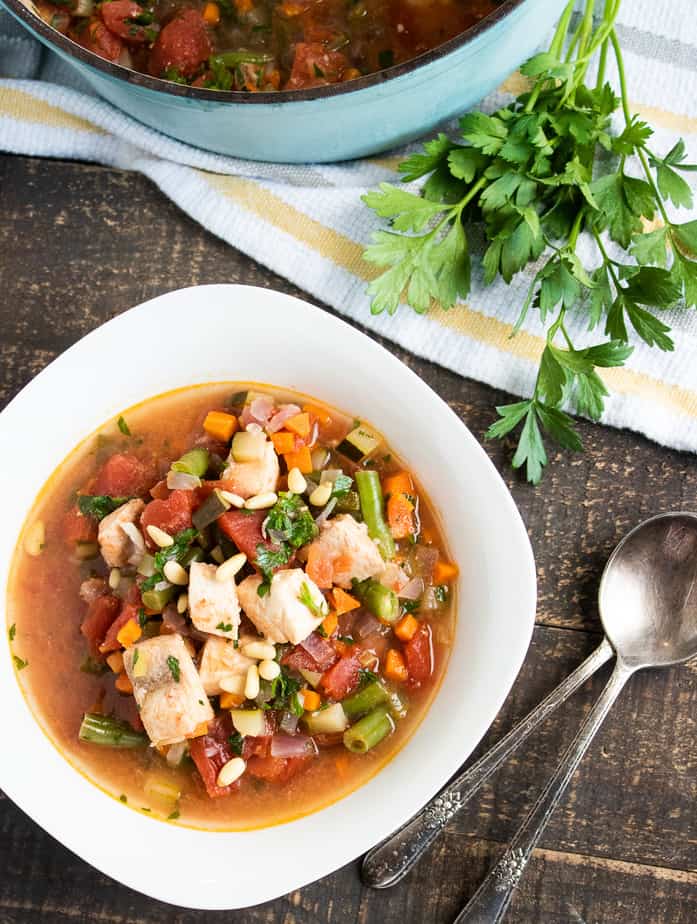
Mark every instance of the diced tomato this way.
pixel 418 652
pixel 342 678
pixel 101 614
pixel 210 753
pixel 245 531
pixel 111 642
pixel 78 528
pixel 183 44
pixel 122 475
pixel 256 746
pixel 314 66
pixel 118 16
pixel 160 491
pixel 319 568
pixel 173 515
pixel 275 769
pixel 97 38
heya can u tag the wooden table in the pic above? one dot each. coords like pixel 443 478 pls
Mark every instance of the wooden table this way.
pixel 80 243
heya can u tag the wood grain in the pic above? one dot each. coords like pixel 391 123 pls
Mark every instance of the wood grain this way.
pixel 78 244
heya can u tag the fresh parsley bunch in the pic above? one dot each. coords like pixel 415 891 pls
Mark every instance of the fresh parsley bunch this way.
pixel 534 176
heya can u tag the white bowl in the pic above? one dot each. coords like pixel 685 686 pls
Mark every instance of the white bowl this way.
pixel 215 333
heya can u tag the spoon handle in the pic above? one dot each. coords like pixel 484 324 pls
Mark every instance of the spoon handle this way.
pixel 391 860
pixel 491 900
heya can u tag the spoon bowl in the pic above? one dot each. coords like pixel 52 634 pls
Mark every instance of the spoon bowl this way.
pixel 648 592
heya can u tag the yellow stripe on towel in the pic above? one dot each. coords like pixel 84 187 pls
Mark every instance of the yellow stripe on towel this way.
pixel 27 108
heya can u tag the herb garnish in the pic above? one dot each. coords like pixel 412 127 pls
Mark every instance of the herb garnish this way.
pixel 136 655
pixel 342 485
pixel 174 669
pixel 123 798
pixel 12 632
pixel 142 617
pixel 123 426
pixel 99 505
pixel 535 176
pixel 289 519
pixel 236 742
pixel 20 664
pixel 410 606
pixel 365 677
pixel 176 551
pixel 305 597
pixel 441 593
pixel 173 815
pixel 284 693
pixel 224 626
pixel 91 665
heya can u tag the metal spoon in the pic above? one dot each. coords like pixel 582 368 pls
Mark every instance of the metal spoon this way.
pixel 648 606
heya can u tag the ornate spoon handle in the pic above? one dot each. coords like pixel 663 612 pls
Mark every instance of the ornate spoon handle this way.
pixel 391 860
pixel 491 900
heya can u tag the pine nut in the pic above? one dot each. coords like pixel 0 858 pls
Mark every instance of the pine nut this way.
pixel 269 670
pixel 35 538
pixel 231 771
pixel 217 555
pixel 296 481
pixel 114 578
pixel 261 651
pixel 261 501
pixel 251 687
pixel 182 603
pixel 159 536
pixel 229 568
pixel 321 494
pixel 175 574
pixel 233 499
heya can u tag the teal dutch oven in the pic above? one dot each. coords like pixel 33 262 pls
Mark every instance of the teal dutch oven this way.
pixel 337 122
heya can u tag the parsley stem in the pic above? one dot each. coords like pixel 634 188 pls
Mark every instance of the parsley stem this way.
pixel 606 259
pixel 554 49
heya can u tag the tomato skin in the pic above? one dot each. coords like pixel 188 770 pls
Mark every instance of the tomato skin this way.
pixel 275 769
pixel 314 66
pixel 245 532
pixel 172 515
pixel 118 17
pixel 418 652
pixel 79 528
pixel 122 475
pixel 101 614
pixel 342 678
pixel 97 38
pixel 111 643
pixel 210 752
pixel 183 44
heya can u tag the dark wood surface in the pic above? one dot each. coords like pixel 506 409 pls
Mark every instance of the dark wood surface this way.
pixel 79 244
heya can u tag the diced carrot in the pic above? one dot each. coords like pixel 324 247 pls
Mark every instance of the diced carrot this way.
pixel 218 424
pixel 445 571
pixel 406 628
pixel 123 684
pixel 211 13
pixel 395 667
pixel 330 622
pixel 244 6
pixel 400 515
pixel 283 442
pixel 344 649
pixel 319 568
pixel 343 602
pixel 230 700
pixel 301 459
pixel 299 424
pixel 201 729
pixel 311 700
pixel 115 662
pixel 129 633
pixel 289 8
pixel 400 483
pixel 320 414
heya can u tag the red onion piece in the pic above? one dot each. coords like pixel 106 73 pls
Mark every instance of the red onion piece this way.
pixel 289 723
pixel 182 481
pixel 366 624
pixel 292 746
pixel 259 411
pixel 173 620
pixel 321 650
pixel 284 413
pixel 412 590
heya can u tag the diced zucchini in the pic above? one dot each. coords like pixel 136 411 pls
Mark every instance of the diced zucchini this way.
pixel 359 443
pixel 193 462
pixel 249 722
pixel 349 503
pixel 146 566
pixel 157 598
pixel 209 511
pixel 312 677
pixel 329 721
pixel 248 447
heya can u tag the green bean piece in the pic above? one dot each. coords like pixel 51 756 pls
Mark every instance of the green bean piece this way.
pixel 372 695
pixel 156 600
pixel 369 731
pixel 193 462
pixel 380 600
pixel 241 56
pixel 110 732
pixel 372 506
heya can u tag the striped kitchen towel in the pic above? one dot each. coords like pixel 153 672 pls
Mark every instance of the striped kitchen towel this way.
pixel 308 222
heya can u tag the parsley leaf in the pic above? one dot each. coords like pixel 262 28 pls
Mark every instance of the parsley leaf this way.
pixel 20 664
pixel 174 669
pixel 236 743
pixel 224 626
pixel 99 505
pixel 123 426
pixel 12 632
pixel 342 485
pixel 175 552
pixel 305 597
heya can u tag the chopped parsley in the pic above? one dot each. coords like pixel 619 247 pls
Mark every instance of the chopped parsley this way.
pixel 236 743
pixel 221 76
pixel 142 617
pixel 441 593
pixel 19 663
pixel 175 75
pixel 99 505
pixel 318 71
pixel 347 640
pixel 173 815
pixel 175 552
pixel 365 677
pixel 123 426
pixel 123 798
pixel 92 666
pixel 224 626
pixel 136 655
pixel 292 523
pixel 410 606
pixel 12 632
pixel 174 669
pixel 305 597
pixel 284 694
